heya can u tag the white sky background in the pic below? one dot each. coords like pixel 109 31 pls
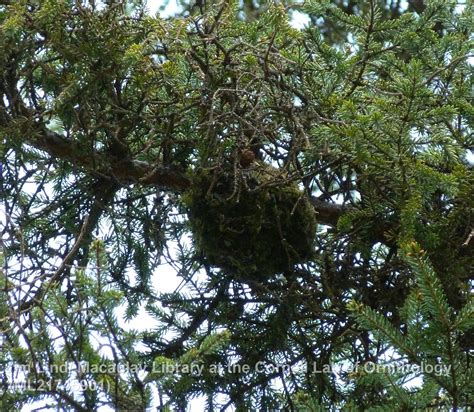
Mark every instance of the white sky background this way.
pixel 165 279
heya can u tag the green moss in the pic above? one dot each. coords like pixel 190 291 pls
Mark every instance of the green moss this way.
pixel 255 233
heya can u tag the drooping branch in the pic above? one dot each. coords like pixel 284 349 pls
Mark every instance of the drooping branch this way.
pixel 104 193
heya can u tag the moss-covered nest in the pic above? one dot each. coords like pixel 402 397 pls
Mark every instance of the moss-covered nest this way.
pixel 254 230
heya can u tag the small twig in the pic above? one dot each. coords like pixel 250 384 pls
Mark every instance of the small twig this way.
pixel 469 238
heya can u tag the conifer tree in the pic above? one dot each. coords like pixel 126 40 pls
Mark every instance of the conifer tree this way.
pixel 309 191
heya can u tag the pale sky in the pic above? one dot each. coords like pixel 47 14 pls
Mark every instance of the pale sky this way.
pixel 164 277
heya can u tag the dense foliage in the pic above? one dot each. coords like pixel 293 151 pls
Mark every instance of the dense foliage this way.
pixel 310 189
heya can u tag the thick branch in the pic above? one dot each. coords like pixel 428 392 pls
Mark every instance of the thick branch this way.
pixel 129 171
pixel 124 170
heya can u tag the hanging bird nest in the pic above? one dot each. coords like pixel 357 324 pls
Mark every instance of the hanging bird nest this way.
pixel 255 227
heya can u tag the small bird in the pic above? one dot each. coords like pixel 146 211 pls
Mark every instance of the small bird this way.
pixel 247 157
